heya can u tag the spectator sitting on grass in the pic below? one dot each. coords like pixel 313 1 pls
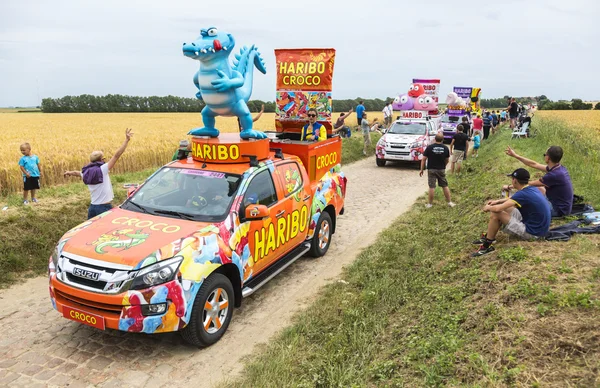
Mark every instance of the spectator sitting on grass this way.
pixel 340 127
pixel 375 127
pixel 526 214
pixel 556 184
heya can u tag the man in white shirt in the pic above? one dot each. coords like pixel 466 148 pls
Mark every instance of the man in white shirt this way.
pixel 95 176
pixel 388 112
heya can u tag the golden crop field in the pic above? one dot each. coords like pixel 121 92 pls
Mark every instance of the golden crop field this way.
pixel 64 141
pixel 577 119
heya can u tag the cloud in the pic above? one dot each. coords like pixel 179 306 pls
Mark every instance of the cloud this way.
pixel 134 47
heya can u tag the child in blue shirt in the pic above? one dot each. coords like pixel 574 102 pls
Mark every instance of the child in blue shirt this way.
pixel 31 169
pixel 476 143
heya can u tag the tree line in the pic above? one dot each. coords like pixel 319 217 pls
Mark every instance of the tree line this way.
pixel 87 103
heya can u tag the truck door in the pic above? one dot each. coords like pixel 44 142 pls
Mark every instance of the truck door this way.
pixel 296 194
pixel 270 238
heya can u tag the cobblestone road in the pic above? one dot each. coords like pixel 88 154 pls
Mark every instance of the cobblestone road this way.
pixel 38 347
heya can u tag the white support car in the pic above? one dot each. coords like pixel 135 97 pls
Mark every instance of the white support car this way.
pixel 406 140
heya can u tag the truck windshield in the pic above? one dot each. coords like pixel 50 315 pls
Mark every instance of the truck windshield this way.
pixel 449 119
pixel 189 194
pixel 402 128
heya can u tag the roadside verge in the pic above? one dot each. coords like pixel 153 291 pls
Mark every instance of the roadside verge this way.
pixel 414 309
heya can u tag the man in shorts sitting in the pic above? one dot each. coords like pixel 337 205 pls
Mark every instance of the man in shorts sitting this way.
pixel 526 214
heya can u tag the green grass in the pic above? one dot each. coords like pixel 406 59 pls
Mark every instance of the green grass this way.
pixel 415 310
pixel 352 147
pixel 28 234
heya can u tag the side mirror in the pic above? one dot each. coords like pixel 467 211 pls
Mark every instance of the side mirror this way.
pixel 256 212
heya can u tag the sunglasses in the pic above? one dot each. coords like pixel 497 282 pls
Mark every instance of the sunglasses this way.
pixel 312 115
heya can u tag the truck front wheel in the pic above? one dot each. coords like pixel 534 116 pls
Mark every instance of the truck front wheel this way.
pixel 321 240
pixel 211 312
pixel 380 162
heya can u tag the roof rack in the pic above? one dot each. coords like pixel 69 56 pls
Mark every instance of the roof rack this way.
pixel 278 152
pixel 253 160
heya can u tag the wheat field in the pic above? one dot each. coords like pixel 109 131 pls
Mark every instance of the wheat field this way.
pixel 586 120
pixel 64 141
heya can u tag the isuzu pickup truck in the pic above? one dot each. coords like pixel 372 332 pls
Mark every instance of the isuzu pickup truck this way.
pixel 199 235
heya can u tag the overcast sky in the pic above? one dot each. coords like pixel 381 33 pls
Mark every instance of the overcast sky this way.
pixel 522 48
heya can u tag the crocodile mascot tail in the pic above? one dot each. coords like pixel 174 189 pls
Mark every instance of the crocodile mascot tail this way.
pixel 224 89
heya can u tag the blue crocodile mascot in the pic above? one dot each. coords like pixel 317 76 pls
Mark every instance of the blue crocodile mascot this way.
pixel 224 89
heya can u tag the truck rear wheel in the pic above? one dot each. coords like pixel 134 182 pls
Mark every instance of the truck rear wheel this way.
pixel 321 240
pixel 380 162
pixel 211 312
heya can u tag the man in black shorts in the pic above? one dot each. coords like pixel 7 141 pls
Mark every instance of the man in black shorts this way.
pixel 436 156
pixel 513 112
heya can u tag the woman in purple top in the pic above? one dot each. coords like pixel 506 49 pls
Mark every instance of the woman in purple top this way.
pixel 556 184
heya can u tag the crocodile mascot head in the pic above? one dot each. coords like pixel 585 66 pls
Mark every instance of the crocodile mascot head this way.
pixel 224 88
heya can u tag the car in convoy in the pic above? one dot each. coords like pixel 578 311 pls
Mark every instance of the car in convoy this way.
pixel 199 235
pixel 449 124
pixel 406 140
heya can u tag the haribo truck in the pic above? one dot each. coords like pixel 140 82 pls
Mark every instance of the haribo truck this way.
pixel 200 235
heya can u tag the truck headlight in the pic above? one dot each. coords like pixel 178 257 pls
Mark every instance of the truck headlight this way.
pixel 158 273
pixel 417 144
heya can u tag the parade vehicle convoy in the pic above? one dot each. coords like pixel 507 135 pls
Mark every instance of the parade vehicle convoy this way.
pixel 199 235
pixel 406 139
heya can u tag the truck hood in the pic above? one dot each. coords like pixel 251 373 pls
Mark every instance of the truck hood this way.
pixel 398 138
pixel 124 237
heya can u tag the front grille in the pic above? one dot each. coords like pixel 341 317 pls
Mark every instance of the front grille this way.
pixel 397 153
pixel 76 302
pixel 92 266
pixel 110 280
pixel 398 145
pixel 86 282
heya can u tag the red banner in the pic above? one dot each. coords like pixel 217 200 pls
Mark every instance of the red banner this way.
pixel 304 69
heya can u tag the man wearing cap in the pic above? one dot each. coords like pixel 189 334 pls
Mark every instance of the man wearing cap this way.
pixel 183 146
pixel 95 176
pixel 526 214
pixel 556 184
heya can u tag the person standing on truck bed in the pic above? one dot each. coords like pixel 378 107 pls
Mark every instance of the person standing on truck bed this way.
pixel 95 176
pixel 313 131
pixel 360 110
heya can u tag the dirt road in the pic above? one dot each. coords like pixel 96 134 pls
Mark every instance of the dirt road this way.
pixel 39 348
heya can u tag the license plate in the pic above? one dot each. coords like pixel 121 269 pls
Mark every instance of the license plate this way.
pixel 93 320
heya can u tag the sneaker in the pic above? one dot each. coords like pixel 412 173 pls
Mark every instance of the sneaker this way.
pixel 25 202
pixel 428 206
pixel 34 200
pixel 483 251
pixel 480 240
pixel 451 204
